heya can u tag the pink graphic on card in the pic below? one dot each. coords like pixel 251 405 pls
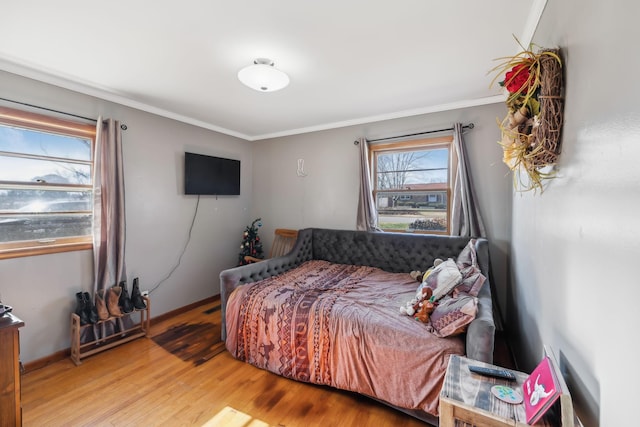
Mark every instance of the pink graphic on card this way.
pixel 540 391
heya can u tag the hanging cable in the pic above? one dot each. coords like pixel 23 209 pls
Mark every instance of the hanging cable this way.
pixel 184 249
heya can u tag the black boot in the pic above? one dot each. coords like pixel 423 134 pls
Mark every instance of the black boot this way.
pixel 81 309
pixel 136 296
pixel 90 308
pixel 124 301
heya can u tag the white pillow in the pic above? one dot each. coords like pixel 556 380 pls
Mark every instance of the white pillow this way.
pixel 444 278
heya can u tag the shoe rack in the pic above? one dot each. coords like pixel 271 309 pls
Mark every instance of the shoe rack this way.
pixel 104 336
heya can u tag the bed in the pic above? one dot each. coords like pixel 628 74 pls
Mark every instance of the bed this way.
pixel 329 313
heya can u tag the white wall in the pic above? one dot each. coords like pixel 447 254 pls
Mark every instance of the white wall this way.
pixel 575 247
pixel 42 288
pixel 328 196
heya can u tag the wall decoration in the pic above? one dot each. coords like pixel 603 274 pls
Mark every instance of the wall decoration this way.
pixel 531 130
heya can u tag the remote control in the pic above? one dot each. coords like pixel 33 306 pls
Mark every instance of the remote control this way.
pixel 490 372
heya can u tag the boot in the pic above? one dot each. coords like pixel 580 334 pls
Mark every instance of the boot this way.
pixel 92 312
pixel 101 305
pixel 136 296
pixel 125 302
pixel 81 310
pixel 113 295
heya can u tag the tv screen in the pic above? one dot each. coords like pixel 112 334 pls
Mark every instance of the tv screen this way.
pixel 211 175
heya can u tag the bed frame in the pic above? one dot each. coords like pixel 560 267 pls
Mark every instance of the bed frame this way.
pixel 393 252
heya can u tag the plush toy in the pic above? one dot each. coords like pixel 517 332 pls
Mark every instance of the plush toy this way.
pixel 423 292
pixel 425 309
pixel 420 276
pixel 416 275
pixel 412 305
pixel 408 307
pixel 436 262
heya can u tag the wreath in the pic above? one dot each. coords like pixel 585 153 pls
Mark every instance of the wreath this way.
pixel 532 128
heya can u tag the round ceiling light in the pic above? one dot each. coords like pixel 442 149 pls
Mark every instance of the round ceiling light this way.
pixel 263 76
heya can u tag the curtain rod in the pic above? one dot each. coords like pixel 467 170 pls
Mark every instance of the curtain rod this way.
pixel 469 126
pixel 122 126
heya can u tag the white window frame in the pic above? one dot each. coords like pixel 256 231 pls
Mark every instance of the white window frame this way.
pixel 415 145
pixel 39 122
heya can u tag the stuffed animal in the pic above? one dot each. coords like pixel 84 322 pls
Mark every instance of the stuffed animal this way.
pixel 408 309
pixel 421 276
pixel 416 275
pixel 422 293
pixel 426 308
pixel 411 307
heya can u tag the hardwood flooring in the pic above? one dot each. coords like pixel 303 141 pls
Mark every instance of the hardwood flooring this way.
pixel 151 382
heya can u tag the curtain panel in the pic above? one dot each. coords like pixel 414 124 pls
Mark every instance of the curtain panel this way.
pixel 109 208
pixel 367 218
pixel 466 220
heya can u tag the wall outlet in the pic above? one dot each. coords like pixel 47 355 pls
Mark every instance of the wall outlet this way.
pixel 145 293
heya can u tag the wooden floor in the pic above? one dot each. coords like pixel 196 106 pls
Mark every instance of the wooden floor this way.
pixel 143 384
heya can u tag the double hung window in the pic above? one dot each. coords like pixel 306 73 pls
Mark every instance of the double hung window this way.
pixel 412 185
pixel 46 192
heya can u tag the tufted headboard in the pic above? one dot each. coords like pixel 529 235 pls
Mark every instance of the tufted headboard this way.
pixel 394 252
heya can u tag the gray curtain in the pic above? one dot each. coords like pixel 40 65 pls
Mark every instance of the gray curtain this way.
pixel 466 220
pixel 108 212
pixel 367 218
pixel 465 215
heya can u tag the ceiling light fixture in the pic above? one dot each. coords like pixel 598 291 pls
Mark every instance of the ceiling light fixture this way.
pixel 263 76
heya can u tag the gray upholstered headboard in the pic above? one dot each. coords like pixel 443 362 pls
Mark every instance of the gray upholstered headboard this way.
pixel 394 252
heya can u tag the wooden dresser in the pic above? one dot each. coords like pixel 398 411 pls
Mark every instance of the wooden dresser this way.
pixel 10 371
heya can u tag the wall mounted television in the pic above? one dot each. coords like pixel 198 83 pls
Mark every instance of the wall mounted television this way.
pixel 210 175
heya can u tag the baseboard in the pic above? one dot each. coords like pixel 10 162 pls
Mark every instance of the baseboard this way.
pixel 63 354
pixel 46 361
pixel 189 307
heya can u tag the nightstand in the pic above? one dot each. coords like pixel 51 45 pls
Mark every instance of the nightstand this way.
pixel 466 398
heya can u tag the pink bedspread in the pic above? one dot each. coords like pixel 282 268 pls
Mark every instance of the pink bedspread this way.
pixel 340 325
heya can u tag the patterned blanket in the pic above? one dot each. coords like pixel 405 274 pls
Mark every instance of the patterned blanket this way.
pixel 339 325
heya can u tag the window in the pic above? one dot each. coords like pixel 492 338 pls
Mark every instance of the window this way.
pixel 46 167
pixel 412 185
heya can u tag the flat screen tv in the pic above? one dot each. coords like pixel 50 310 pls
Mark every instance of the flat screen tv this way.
pixel 211 175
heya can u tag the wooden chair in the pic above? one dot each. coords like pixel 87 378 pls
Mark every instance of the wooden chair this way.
pixel 283 242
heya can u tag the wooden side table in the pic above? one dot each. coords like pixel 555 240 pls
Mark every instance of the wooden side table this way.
pixel 10 406
pixel 466 398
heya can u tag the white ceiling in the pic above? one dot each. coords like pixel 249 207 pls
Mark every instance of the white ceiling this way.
pixel 350 61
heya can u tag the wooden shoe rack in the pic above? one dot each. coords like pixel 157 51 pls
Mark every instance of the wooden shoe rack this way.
pixel 102 338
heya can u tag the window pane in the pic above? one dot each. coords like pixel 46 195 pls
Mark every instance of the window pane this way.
pixel 43 226
pixel 46 194
pixel 19 140
pixel 405 169
pixel 37 201
pixel 412 211
pixel 52 172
